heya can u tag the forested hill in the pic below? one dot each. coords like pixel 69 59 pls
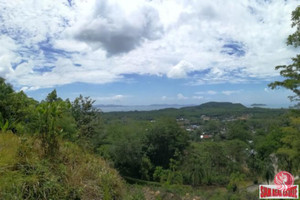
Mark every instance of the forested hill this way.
pixel 219 110
pixel 222 105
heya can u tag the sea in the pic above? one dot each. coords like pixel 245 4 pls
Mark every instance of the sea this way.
pixel 125 108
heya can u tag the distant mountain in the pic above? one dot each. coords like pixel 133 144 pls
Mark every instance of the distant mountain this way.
pixel 258 105
pixel 222 105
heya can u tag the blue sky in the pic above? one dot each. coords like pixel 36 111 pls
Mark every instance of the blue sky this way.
pixel 147 52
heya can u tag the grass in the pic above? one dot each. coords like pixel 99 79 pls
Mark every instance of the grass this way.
pixel 26 173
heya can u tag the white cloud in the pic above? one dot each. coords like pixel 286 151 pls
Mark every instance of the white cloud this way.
pixel 203 41
pixel 209 92
pixel 164 98
pixel 180 70
pixel 7 55
pixel 25 89
pixel 230 92
pixel 114 98
pixel 181 97
pixel 198 97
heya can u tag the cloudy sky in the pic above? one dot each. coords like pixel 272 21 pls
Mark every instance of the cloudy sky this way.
pixel 147 51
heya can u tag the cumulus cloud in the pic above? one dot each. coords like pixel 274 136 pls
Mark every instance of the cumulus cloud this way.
pixel 198 97
pixel 48 43
pixel 117 31
pixel 230 92
pixel 114 98
pixel 209 92
pixel 164 98
pixel 180 70
pixel 181 97
pixel 25 89
pixel 7 55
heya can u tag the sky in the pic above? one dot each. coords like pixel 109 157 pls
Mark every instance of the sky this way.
pixel 142 52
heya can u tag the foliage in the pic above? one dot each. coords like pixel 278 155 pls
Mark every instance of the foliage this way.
pixel 16 109
pixel 235 181
pixel 268 170
pixel 124 148
pixel 85 116
pixel 49 114
pixel 289 151
pixel 205 163
pixel 162 140
pixel 88 122
pixel 146 167
pixel 5 92
pixel 291 72
pixel 239 130
pixel 75 174
pixel 42 161
pixel 4 125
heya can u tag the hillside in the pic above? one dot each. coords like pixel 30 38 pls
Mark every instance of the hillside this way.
pixel 25 172
pixel 222 105
pixel 55 149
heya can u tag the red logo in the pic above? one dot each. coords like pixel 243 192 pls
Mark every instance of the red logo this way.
pixel 284 187
pixel 284 180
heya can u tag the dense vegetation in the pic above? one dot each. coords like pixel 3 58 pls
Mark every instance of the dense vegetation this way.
pixel 38 159
pixel 55 148
pixel 241 140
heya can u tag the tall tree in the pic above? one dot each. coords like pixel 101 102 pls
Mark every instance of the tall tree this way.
pixel 88 121
pixel 291 72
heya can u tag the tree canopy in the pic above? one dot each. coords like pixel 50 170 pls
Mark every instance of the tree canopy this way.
pixel 291 72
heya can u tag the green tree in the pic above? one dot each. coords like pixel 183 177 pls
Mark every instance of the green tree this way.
pixel 124 145
pixel 16 109
pixel 6 91
pixel 207 163
pixel 236 151
pixel 163 139
pixel 146 168
pixel 49 114
pixel 52 96
pixel 86 116
pixel 23 112
pixel 291 72
pixel 289 152
pixel 235 179
pixel 238 130
pixel 192 167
